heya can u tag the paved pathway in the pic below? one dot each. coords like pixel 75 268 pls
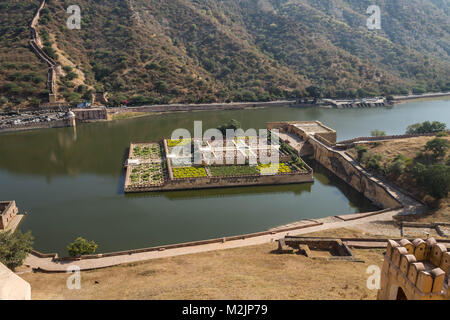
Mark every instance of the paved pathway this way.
pixel 46 264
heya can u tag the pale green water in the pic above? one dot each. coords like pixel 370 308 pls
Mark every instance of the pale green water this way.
pixel 71 184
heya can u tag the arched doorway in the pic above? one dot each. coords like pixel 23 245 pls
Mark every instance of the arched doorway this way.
pixel 401 294
pixel 397 293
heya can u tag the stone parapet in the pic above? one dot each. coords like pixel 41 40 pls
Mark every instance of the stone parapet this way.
pixel 417 270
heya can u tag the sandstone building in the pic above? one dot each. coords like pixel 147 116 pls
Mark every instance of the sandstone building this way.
pixel 8 210
pixel 417 270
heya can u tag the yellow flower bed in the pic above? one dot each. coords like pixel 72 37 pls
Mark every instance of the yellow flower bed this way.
pixel 189 172
pixel 274 169
pixel 180 142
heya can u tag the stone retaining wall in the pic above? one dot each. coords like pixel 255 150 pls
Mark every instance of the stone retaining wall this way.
pixel 39 125
pixel 223 182
pixel 356 178
pixel 91 114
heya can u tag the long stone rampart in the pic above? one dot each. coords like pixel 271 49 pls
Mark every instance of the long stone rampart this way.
pixel 383 138
pixel 356 177
pixel 35 44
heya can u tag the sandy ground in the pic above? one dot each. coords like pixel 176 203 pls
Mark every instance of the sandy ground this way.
pixel 244 273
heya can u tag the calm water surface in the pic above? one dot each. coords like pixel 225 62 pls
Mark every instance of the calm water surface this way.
pixel 70 182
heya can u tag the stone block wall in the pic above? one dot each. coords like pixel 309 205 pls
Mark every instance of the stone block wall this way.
pixel 8 210
pixel 40 125
pixel 345 170
pixel 223 182
pixel 90 114
pixel 417 270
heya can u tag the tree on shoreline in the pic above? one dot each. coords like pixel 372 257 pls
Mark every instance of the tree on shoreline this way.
pixel 426 127
pixel 14 248
pixel 378 133
pixel 232 124
pixel 81 247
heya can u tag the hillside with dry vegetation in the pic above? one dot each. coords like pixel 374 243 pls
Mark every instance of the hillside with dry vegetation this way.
pixel 420 166
pixel 207 50
pixel 22 75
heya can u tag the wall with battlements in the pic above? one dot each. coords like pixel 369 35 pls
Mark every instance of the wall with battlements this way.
pixel 417 270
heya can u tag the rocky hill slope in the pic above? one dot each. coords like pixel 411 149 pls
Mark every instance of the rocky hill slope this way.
pixel 230 50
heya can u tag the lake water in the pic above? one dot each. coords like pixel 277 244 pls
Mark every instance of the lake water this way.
pixel 71 183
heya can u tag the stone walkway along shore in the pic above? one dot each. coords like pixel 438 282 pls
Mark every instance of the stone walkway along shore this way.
pixel 410 206
pixel 48 265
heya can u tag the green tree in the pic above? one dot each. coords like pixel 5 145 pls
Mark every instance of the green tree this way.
pixel 361 150
pixel 436 179
pixel 426 127
pixel 397 166
pixel 138 100
pixel 81 246
pixel 232 124
pixel 71 75
pixel 438 147
pixel 315 92
pixel 378 133
pixel 161 86
pixel 14 248
pixel 372 161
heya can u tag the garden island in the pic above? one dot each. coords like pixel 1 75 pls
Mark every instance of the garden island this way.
pixel 240 161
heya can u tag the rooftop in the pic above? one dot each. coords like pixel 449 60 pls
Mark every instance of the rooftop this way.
pixel 313 127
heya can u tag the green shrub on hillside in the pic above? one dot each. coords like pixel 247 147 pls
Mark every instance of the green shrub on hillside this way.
pixel 372 161
pixel 438 147
pixel 361 150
